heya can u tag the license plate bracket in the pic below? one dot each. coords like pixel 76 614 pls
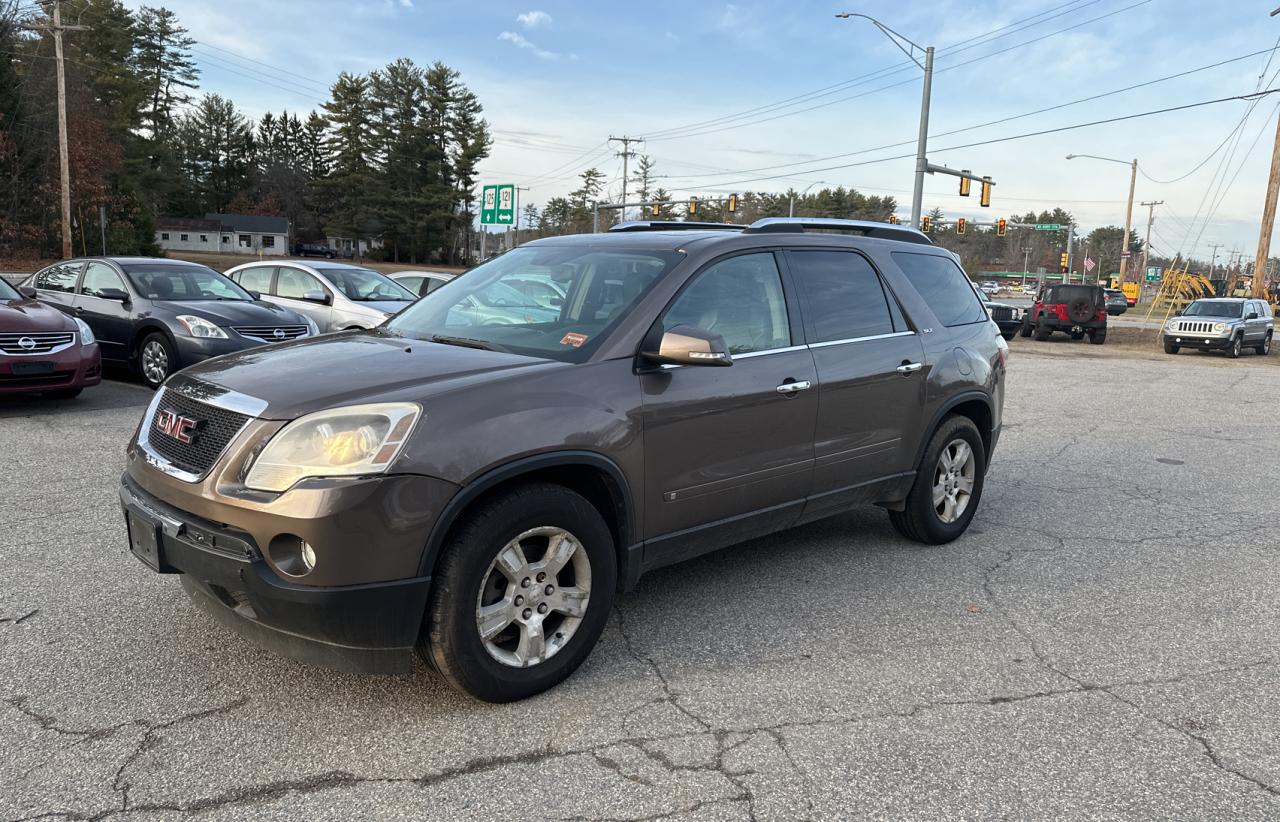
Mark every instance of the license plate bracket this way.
pixel 31 369
pixel 145 541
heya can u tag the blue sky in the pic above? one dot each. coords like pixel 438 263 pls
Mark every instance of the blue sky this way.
pixel 556 78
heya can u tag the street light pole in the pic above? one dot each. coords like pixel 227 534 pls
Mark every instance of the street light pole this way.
pixel 1128 212
pixel 922 142
pixel 791 212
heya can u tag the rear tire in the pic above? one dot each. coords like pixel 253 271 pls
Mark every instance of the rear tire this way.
pixel 920 519
pixel 469 578
pixel 1170 348
pixel 1265 348
pixel 1098 336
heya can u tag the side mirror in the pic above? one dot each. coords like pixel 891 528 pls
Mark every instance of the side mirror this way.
pixel 555 301
pixel 686 345
pixel 28 292
pixel 113 294
pixel 316 297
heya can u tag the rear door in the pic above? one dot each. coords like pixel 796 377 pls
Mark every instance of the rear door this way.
pixel 111 320
pixel 728 456
pixel 870 368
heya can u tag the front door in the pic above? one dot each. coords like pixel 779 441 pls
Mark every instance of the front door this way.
pixel 728 456
pixel 292 287
pixel 110 320
pixel 872 373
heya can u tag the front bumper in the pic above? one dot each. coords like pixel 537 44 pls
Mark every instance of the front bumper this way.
pixel 192 350
pixel 79 366
pixel 1204 343
pixel 370 627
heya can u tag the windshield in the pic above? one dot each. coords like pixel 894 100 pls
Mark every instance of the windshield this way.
pixel 7 292
pixel 364 285
pixel 1214 309
pixel 182 283
pixel 588 292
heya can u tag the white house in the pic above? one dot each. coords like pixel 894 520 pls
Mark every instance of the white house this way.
pixel 247 234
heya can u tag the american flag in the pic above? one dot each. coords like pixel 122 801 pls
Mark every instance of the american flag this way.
pixel 1088 264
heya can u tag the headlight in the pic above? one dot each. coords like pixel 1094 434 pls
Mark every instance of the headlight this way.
pixel 343 442
pixel 313 330
pixel 1218 328
pixel 86 333
pixel 200 327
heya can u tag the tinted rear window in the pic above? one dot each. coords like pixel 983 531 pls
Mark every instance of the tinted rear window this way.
pixel 943 286
pixel 1071 294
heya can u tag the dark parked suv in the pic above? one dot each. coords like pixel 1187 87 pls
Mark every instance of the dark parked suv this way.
pixel 480 490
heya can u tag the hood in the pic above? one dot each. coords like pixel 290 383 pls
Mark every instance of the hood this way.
pixel 350 368
pixel 17 316
pixel 231 312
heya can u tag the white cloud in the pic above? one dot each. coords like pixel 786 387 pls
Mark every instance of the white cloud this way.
pixel 519 41
pixel 533 19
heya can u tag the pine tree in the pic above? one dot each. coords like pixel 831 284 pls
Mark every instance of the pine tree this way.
pixel 163 58
pixel 643 178
pixel 352 177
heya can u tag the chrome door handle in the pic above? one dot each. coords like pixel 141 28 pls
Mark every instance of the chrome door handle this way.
pixel 793 387
pixel 910 367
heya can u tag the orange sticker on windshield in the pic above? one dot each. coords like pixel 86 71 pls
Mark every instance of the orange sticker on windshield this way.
pixel 574 338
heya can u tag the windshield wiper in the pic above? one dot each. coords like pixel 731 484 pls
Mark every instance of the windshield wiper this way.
pixel 466 342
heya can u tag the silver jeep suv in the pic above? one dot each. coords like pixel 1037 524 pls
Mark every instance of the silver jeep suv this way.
pixel 1228 324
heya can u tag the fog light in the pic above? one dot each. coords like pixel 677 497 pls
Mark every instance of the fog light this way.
pixel 291 555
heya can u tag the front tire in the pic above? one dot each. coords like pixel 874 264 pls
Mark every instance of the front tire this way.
pixel 521 594
pixel 1265 348
pixel 1170 348
pixel 1237 346
pixel 1025 331
pixel 948 485
pixel 156 359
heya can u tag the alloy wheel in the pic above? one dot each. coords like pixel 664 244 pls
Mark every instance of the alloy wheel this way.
pixel 155 362
pixel 953 479
pixel 533 597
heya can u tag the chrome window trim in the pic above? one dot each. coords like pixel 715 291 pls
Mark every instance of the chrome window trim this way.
pixel 160 463
pixel 863 339
pixel 747 356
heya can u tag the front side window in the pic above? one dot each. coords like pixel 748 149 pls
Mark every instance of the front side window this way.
pixel 413 283
pixel 841 296
pixel 256 279
pixel 295 284
pixel 740 299
pixel 366 285
pixel 943 286
pixel 60 277
pixel 98 276
pixel 182 283
pixel 432 284
pixel 8 292
pixel 484 309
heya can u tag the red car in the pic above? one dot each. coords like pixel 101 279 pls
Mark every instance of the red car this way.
pixel 43 350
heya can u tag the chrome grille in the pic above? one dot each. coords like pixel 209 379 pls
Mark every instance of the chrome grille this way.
pixel 1195 327
pixel 40 342
pixel 268 333
pixel 215 428
pixel 1001 312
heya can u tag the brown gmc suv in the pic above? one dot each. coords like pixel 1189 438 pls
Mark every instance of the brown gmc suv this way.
pixel 478 476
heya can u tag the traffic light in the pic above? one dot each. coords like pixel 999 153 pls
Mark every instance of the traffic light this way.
pixel 893 219
pixel 961 224
pixel 1002 227
pixel 733 203
pixel 926 224
pixel 964 184
pixel 985 202
pixel 693 206
pixel 1064 262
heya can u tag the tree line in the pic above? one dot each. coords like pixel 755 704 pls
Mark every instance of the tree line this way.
pixel 392 153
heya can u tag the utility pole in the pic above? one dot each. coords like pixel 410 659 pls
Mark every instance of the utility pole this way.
pixel 54 26
pixel 1128 222
pixel 1146 244
pixel 1214 261
pixel 1268 217
pixel 626 155
pixel 518 190
pixel 1026 264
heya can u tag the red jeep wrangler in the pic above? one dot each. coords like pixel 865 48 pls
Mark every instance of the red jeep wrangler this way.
pixel 1078 310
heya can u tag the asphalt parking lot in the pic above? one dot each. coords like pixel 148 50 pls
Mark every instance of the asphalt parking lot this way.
pixel 1101 644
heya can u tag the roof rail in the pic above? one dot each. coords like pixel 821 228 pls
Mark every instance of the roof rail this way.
pixel 673 225
pixel 867 228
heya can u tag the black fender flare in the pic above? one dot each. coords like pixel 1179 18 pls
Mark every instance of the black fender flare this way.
pixel 945 409
pixel 473 489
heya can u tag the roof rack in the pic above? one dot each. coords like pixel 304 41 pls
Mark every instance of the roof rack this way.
pixel 867 228
pixel 673 225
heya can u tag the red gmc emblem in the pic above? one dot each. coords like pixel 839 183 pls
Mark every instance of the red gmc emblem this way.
pixel 173 425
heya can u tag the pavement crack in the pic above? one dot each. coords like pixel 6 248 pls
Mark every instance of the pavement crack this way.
pixel 669 695
pixel 19 620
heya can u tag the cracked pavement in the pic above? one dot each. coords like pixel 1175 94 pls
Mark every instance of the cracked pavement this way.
pixel 1103 643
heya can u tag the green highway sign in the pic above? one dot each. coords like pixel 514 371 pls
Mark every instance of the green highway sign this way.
pixel 506 213
pixel 1153 274
pixel 498 205
pixel 1048 226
